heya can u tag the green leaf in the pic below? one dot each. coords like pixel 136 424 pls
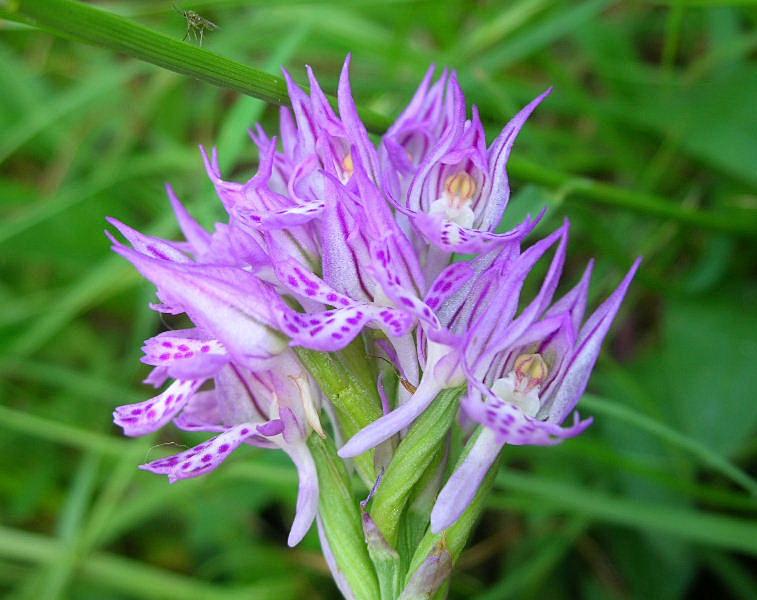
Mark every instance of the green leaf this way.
pixel 133 578
pixel 705 371
pixel 456 537
pixel 705 454
pixel 693 525
pixel 410 460
pixel 341 520
pixel 343 377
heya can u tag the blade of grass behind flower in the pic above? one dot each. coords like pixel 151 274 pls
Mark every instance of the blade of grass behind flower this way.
pixel 135 579
pixel 79 99
pixel 537 567
pixel 553 26
pixel 51 581
pixel 692 525
pixel 706 456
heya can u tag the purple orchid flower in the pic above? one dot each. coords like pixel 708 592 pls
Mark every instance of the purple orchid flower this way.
pixel 332 236
pixel 451 187
pixel 274 408
pixel 533 381
pixel 475 306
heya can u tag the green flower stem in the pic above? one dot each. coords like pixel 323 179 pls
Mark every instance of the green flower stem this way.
pixel 84 23
pixel 345 382
pixel 419 505
pixel 341 519
pixel 410 461
pixel 385 558
pixel 456 537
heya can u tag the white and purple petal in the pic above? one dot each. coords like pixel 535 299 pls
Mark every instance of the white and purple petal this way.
pixel 462 486
pixel 511 425
pixel 185 357
pixel 203 458
pixel 148 416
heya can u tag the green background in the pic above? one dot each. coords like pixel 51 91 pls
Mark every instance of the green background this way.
pixel 653 114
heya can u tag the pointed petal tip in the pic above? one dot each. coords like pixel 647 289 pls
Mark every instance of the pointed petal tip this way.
pixel 349 451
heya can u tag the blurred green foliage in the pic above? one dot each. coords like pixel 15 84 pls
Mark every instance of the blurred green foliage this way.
pixel 651 98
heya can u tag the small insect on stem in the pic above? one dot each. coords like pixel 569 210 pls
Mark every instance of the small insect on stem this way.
pixel 196 24
pixel 405 383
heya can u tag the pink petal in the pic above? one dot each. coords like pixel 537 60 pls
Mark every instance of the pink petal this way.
pixel 148 416
pixel 334 329
pixel 185 357
pixel 203 458
pixel 512 426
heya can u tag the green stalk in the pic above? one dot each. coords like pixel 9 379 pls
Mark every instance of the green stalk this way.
pixel 84 23
pixel 454 538
pixel 410 461
pixel 345 384
pixel 341 519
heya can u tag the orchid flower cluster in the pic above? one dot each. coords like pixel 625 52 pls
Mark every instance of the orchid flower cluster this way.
pixel 388 253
